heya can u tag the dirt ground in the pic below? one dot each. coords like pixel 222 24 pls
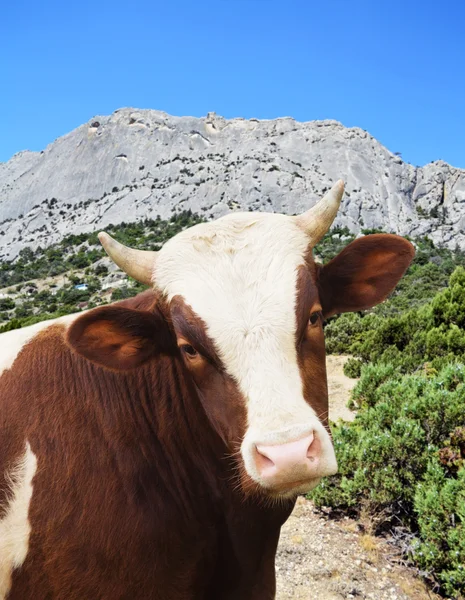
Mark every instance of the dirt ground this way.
pixel 322 559
pixel 339 388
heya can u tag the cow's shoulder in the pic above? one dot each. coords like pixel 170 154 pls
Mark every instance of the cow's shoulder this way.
pixel 13 342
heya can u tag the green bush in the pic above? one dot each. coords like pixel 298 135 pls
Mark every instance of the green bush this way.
pixel 12 324
pixel 6 304
pixel 372 377
pixel 122 292
pixel 340 333
pixel 398 462
pixel 403 458
pixel 333 242
pixel 440 507
pixel 353 368
pixel 101 270
pixel 432 333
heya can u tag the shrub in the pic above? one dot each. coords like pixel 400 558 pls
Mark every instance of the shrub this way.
pixel 101 270
pixel 432 333
pixel 12 324
pixel 340 333
pixel 365 393
pixel 23 310
pixel 353 367
pixel 402 461
pixel 122 292
pixel 6 304
pixel 71 296
pixel 440 507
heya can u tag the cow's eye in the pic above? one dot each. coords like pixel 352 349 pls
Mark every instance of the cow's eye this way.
pixel 189 350
pixel 314 318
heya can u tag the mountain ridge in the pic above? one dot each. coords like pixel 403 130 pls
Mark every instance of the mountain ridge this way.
pixel 142 163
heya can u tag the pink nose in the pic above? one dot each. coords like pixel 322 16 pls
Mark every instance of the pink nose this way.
pixel 288 463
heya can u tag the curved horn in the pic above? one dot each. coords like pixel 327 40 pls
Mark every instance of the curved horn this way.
pixel 138 264
pixel 316 221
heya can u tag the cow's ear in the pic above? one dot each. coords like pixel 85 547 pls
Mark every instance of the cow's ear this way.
pixel 119 338
pixel 364 273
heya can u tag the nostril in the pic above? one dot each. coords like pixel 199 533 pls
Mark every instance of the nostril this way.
pixel 310 448
pixel 262 460
pixel 314 449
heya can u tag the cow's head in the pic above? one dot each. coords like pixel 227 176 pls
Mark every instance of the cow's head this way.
pixel 244 302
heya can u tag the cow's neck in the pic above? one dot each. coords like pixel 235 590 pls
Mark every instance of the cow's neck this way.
pixel 159 433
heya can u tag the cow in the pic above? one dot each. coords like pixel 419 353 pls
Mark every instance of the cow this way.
pixel 153 448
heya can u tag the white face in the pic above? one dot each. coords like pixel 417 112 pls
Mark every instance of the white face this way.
pixel 239 275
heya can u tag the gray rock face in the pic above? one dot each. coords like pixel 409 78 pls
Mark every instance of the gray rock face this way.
pixel 142 163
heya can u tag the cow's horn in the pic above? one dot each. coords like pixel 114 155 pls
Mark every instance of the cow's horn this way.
pixel 317 220
pixel 138 264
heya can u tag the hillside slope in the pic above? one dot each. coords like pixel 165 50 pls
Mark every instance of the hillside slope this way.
pixel 141 163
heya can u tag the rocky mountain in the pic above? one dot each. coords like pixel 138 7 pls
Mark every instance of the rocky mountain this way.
pixel 142 163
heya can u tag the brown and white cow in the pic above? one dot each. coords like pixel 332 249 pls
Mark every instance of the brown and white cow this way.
pixel 153 448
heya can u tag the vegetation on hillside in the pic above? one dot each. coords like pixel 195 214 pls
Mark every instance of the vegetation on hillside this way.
pixel 79 258
pixel 82 250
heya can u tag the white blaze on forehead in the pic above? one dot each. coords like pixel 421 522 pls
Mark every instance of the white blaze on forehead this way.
pixel 239 274
pixel 14 525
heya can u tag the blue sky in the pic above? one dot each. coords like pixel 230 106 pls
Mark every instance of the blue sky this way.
pixel 395 68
